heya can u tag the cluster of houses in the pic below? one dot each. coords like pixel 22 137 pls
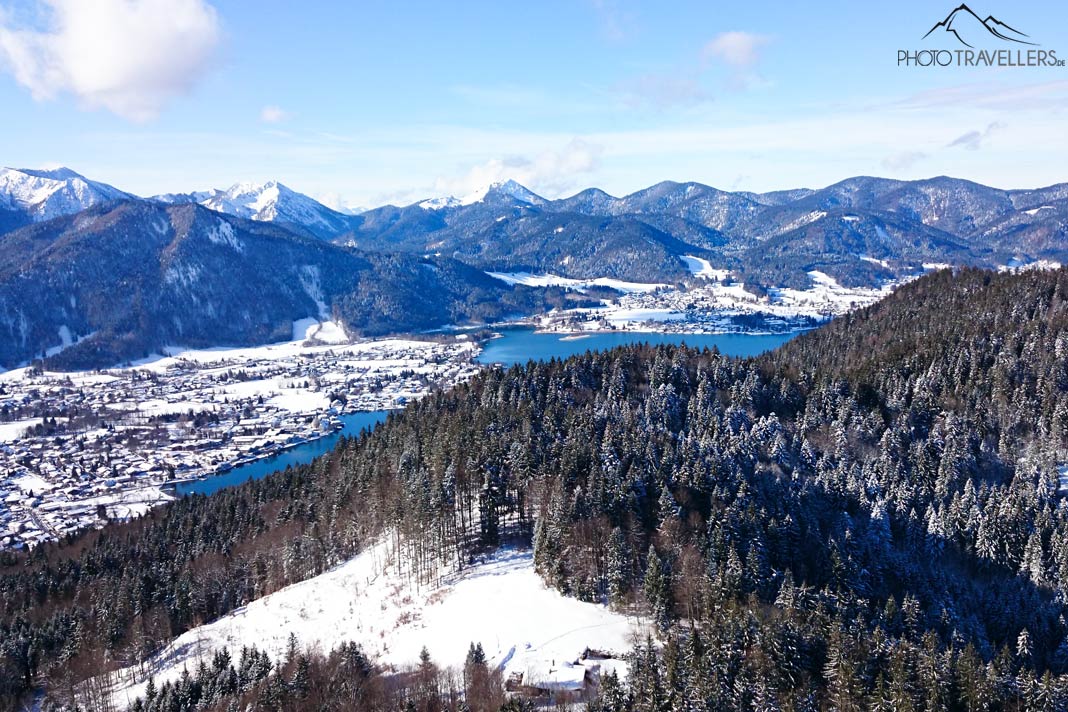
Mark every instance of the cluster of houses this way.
pixel 553 682
pixel 78 449
pixel 717 305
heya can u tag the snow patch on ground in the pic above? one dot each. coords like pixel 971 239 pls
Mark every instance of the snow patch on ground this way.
pixel 310 280
pixel 874 261
pixel 30 482
pixel 552 280
pixel 223 234
pixel 499 602
pixel 1062 479
pixel 703 268
pixel 439 203
pixel 1034 211
pixel 323 332
pixel 66 340
pixel 1019 265
pixel 10 432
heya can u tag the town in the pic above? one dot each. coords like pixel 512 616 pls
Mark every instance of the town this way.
pixel 79 449
pixel 717 305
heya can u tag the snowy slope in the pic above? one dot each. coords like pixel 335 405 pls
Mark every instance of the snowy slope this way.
pixel 274 202
pixel 500 602
pixel 700 267
pixel 552 280
pixel 46 194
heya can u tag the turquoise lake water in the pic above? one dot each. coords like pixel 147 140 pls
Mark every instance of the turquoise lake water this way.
pixel 299 455
pixel 522 345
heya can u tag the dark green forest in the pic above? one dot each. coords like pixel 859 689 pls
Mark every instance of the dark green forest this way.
pixel 868 518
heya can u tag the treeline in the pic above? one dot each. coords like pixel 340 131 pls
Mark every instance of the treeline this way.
pixel 303 681
pixel 869 516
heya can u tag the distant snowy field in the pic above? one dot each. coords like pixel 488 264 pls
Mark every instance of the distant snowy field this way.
pixel 551 280
pixel 500 602
pixel 713 301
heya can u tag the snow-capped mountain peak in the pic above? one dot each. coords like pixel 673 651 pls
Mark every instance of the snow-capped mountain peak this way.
pixel 506 190
pixel 274 202
pixel 438 203
pixel 50 193
pixel 256 201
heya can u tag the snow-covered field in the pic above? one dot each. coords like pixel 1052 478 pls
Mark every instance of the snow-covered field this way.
pixel 1019 265
pixel 713 303
pixel 700 267
pixel 10 432
pixel 552 280
pixel 500 602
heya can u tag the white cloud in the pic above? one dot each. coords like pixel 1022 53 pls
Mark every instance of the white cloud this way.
pixel 737 49
pixel 664 91
pixel 549 172
pixel 273 114
pixel 993 95
pixel 336 201
pixel 127 56
pixel 974 140
pixel 903 160
pixel 617 21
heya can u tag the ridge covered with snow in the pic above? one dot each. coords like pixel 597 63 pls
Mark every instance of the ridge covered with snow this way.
pixel 508 190
pixel 46 194
pixel 269 202
pixel 274 202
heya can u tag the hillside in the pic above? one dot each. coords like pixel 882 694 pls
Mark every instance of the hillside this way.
pixel 124 279
pixel 862 231
pixel 869 517
pixel 422 266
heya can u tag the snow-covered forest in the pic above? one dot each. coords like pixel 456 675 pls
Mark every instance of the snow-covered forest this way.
pixel 870 517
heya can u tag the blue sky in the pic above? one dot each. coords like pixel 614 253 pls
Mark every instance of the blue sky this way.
pixel 374 102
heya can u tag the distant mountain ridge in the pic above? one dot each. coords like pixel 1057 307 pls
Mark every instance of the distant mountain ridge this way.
pixel 271 202
pixel 847 230
pixel 30 195
pixel 862 231
pixel 123 279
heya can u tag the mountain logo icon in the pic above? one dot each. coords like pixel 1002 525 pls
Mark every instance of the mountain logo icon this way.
pixel 969 28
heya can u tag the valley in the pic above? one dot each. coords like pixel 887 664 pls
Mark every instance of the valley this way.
pixel 611 492
pixel 680 257
pixel 597 356
pixel 80 449
pixel 825 506
pixel 83 448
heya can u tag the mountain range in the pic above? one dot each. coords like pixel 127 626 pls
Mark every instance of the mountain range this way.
pixel 120 280
pixel 80 257
pixel 862 231
pixel 270 202
pixel 29 196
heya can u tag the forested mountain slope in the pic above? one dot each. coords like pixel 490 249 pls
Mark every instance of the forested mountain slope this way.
pixel 124 279
pixel 862 231
pixel 868 518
